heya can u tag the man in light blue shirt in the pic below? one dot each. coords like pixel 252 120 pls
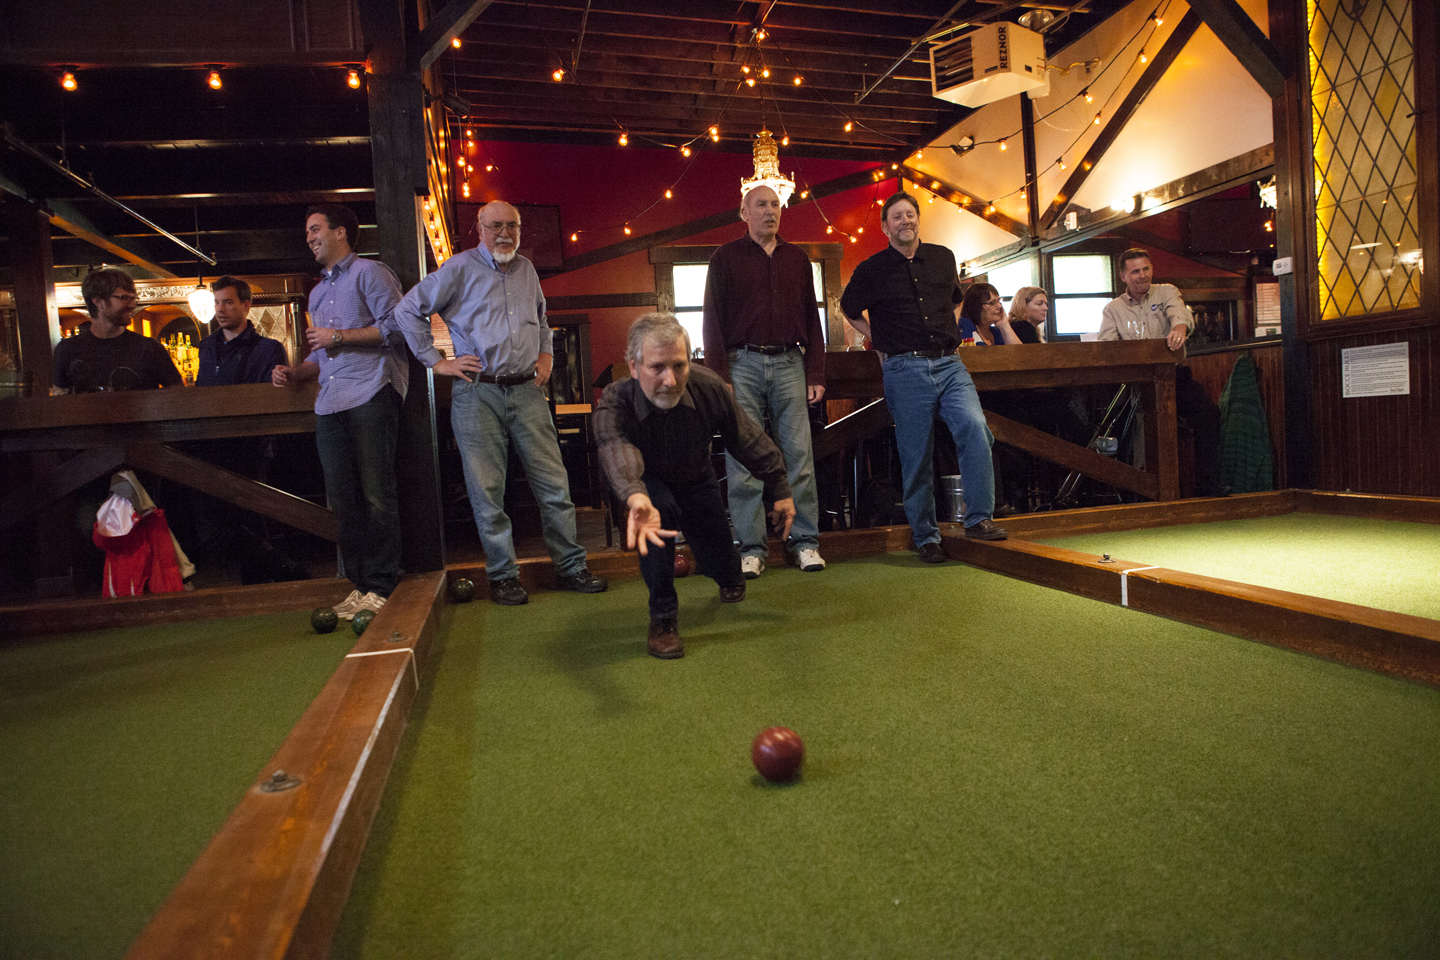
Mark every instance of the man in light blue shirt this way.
pixel 490 299
pixel 358 356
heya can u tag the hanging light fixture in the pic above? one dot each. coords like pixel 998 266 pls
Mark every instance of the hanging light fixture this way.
pixel 202 301
pixel 767 169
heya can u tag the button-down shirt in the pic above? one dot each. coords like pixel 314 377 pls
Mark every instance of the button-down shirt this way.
pixel 246 357
pixel 1149 318
pixel 764 299
pixel 911 302
pixel 357 293
pixel 494 315
pixel 636 437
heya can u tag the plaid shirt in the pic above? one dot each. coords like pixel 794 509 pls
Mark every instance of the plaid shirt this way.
pixel 357 293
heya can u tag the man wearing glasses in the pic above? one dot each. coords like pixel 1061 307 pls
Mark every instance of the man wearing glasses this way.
pixel 109 355
pixel 490 299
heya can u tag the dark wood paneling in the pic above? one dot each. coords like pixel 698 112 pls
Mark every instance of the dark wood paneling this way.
pixel 1382 445
pixel 1212 371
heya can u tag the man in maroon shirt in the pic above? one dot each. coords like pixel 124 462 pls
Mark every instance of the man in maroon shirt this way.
pixel 762 336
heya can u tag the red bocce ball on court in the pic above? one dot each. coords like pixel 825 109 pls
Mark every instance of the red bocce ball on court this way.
pixel 777 753
pixel 682 564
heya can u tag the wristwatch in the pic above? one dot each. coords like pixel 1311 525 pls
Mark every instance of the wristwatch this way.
pixel 337 338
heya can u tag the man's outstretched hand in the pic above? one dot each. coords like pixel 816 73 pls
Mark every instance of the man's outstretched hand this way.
pixel 642 525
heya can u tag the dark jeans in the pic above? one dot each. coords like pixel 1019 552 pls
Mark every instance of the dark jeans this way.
pixel 698 511
pixel 357 453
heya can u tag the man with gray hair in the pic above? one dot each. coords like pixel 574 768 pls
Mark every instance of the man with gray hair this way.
pixel 654 432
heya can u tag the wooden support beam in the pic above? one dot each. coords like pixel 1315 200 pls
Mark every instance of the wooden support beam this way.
pixel 1032 175
pixel 1073 457
pixel 233 488
pixel 68 217
pixel 27 227
pixel 1184 30
pixel 1246 41
pixel 852 428
pixel 447 24
pixel 62 481
pixel 972 204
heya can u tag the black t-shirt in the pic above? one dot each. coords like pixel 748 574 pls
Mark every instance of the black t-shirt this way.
pixel 87 363
pixel 911 302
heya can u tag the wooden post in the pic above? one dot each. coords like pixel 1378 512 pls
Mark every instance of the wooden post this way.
pixel 397 147
pixel 28 227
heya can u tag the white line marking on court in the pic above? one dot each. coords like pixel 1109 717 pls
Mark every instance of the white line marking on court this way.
pixel 1125 583
pixel 415 671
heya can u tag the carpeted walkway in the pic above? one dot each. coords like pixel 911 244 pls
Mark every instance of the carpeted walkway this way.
pixel 994 769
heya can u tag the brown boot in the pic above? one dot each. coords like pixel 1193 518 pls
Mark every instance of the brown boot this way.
pixel 664 641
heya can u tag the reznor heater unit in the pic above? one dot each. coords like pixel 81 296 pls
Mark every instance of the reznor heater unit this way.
pixel 996 61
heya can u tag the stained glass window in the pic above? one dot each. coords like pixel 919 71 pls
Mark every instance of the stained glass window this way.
pixel 1362 97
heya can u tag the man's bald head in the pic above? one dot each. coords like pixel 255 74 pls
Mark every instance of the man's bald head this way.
pixel 499 224
pixel 760 209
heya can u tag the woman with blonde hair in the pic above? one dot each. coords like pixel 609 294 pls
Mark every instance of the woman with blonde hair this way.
pixel 1028 311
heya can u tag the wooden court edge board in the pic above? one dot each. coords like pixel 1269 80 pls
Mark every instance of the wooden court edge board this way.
pixel 1394 644
pixel 273 881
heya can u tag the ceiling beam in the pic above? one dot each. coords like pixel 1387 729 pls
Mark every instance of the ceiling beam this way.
pixel 75 223
pixel 1167 55
pixel 446 25
pixel 1246 41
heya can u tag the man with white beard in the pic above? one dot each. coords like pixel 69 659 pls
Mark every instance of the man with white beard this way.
pixel 654 432
pixel 490 299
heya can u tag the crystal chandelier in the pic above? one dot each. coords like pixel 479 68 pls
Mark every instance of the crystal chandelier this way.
pixel 767 169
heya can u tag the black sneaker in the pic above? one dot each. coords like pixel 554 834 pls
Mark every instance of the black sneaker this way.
pixel 508 593
pixel 582 582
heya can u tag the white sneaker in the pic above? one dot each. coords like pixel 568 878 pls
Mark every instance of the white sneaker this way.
pixel 347 608
pixel 371 601
pixel 808 559
pixel 752 567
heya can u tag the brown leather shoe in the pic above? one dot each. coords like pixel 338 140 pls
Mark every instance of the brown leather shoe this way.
pixel 732 594
pixel 986 530
pixel 664 641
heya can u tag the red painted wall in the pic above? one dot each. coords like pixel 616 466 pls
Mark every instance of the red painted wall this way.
pixel 601 189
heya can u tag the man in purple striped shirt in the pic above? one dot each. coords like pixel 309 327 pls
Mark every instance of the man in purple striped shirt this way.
pixel 358 356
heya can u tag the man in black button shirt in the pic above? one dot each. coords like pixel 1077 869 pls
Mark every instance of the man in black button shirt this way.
pixel 907 294
pixel 654 432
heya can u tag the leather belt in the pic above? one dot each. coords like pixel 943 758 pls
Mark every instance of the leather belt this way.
pixel 513 380
pixel 925 354
pixel 768 349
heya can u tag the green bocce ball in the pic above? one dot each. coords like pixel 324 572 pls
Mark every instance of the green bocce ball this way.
pixel 323 619
pixel 361 621
pixel 463 590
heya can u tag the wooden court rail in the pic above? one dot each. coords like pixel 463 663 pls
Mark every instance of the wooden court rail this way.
pixel 273 881
pixel 1394 644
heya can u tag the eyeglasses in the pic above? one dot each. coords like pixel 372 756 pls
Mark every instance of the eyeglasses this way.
pixel 125 297
pixel 509 226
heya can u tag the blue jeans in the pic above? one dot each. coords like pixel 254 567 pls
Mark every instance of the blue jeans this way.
pixel 486 418
pixel 357 453
pixel 916 390
pixel 777 385
pixel 696 510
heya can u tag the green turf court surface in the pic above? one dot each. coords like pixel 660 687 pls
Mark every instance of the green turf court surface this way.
pixel 1383 564
pixel 993 769
pixel 123 752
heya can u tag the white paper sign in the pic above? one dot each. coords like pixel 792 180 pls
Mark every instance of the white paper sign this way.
pixel 1379 371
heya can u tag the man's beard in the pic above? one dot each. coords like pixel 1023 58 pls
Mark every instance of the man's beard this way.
pixel 502 257
pixel 665 401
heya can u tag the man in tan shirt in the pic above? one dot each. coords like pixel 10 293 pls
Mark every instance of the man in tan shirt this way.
pixel 1146 310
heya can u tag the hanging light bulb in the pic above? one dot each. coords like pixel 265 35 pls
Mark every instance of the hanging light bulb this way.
pixel 558 75
pixel 1097 119
pixel 214 79
pixel 202 301
pixel 353 79
pixel 1143 58
pixel 455 42
pixel 765 72
pixel 798 80
pixel 749 81
pixel 574 238
pixel 465 189
pixel 785 140
pixel 624 140
pixel 804 194
pixel 627 229
pixel 684 151
pixel 829 229
pixel 1004 145
pixel 849 126
pixel 1088 97
pixel 489 167
pixel 669 194
pixel 67 80
pixel 760 34
pixel 745 68
pixel 1061 164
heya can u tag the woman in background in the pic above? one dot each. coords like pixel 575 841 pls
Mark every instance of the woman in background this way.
pixel 982 317
pixel 1028 312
